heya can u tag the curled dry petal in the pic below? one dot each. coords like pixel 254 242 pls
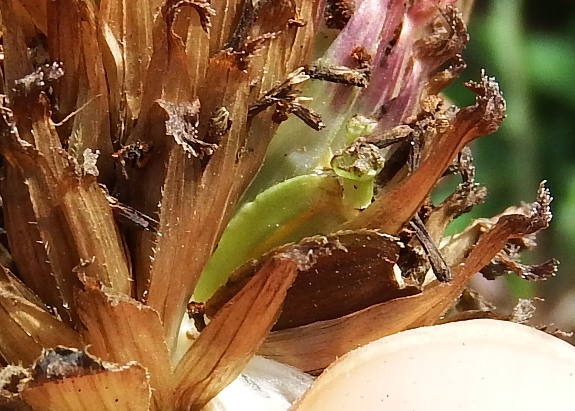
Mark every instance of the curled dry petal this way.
pixel 459 202
pixel 71 380
pixel 231 338
pixel 355 271
pixel 502 264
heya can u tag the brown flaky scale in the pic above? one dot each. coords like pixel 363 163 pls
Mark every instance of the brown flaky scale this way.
pixel 131 129
pixel 357 271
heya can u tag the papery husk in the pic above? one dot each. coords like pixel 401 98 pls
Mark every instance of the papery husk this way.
pixel 232 337
pixel 170 182
pixel 126 42
pixel 356 273
pixel 68 380
pixel 84 82
pixel 28 328
pixel 314 346
pixel 8 279
pixel 51 204
pixel 120 329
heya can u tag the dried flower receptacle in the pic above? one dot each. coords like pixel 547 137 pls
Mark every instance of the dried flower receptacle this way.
pixel 169 157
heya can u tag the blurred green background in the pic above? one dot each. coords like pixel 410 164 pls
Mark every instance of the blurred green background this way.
pixel 529 46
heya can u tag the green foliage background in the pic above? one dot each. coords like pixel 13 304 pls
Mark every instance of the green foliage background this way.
pixel 529 46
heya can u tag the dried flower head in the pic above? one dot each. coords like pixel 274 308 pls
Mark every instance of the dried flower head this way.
pixel 169 157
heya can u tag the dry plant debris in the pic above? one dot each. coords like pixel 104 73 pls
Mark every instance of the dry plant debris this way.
pixel 140 181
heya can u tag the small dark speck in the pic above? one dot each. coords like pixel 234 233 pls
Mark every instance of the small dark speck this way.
pixel 355 187
pixel 116 400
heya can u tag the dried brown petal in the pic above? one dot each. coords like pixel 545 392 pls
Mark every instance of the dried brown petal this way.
pixel 65 211
pixel 227 15
pixel 43 269
pixel 231 338
pixel 120 329
pixel 9 280
pixel 316 345
pixel 355 273
pixel 37 10
pixel 70 380
pixel 64 46
pixel 178 63
pixel 26 328
pixel 126 41
pixel 91 120
pixel 165 190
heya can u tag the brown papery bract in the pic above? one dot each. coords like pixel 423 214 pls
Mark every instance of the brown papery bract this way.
pixel 65 209
pixel 138 336
pixel 232 337
pixel 314 346
pixel 129 132
pixel 355 273
pixel 71 380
